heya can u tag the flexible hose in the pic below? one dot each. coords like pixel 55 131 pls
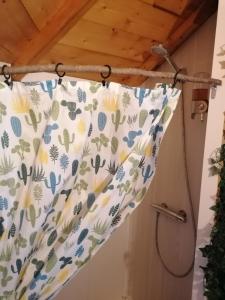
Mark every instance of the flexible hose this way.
pixel 187 181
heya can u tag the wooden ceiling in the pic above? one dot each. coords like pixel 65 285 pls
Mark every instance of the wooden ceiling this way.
pixel 114 32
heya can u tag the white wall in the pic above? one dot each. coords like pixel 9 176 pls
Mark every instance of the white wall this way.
pixel 214 133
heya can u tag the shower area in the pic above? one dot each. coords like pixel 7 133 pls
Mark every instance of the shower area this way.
pixel 129 266
pixel 151 255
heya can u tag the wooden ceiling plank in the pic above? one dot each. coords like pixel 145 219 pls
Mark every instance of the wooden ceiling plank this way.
pixel 153 23
pixel 42 12
pixel 141 10
pixel 174 6
pixel 104 39
pixel 72 55
pixel 62 21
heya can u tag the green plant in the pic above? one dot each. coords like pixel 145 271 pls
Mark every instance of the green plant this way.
pixel 214 271
pixel 6 165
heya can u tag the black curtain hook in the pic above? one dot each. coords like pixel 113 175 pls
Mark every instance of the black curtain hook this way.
pixel 175 80
pixel 7 77
pixel 57 72
pixel 107 75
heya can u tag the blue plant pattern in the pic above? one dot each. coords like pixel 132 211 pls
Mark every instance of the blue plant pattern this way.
pixel 78 153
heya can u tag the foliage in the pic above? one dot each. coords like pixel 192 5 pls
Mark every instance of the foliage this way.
pixel 64 162
pixel 54 153
pixel 214 271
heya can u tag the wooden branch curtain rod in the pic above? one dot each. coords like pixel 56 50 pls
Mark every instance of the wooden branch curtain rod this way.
pixel 114 70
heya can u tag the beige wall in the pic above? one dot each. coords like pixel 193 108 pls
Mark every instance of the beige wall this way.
pixel 148 279
pixel 127 267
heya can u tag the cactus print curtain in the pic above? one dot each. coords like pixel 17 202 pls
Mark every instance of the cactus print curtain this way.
pixel 76 159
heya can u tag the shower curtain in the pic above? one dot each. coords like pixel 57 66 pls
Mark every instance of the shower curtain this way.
pixel 76 159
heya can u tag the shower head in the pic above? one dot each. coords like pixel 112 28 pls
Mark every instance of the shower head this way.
pixel 160 50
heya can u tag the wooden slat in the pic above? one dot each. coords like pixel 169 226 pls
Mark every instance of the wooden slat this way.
pixel 62 21
pixel 42 11
pixel 134 17
pixel 16 26
pixel 176 7
pixel 95 37
pixel 151 2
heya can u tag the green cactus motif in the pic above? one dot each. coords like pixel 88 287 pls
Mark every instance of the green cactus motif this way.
pixel 32 214
pixel 134 169
pixel 100 141
pixel 33 119
pixel 24 174
pixel 6 165
pixel 55 110
pixel 2 111
pixel 11 184
pixel 95 243
pixel 19 242
pixel 126 99
pixel 35 97
pixel 6 254
pixel 36 144
pixel 13 210
pixel 97 164
pixel 114 145
pixel 65 141
pixel 82 185
pixel 166 114
pixel 5 277
pixel 142 117
pixel 92 107
pixel 21 148
pixel 100 228
pixel 84 168
pixel 117 119
pixel 124 187
pixel 140 194
pixel 94 86
pixel 52 260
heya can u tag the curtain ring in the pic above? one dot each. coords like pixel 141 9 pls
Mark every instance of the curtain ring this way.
pixel 175 80
pixel 107 75
pixel 7 76
pixel 57 72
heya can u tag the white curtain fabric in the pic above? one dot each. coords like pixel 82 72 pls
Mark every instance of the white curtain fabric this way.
pixel 75 160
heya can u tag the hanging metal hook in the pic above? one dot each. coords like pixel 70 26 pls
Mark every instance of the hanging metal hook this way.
pixel 175 79
pixel 7 77
pixel 57 72
pixel 106 76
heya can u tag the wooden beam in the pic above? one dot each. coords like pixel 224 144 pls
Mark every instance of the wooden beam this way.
pixel 60 23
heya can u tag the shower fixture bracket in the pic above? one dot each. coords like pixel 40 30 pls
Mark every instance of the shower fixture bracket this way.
pixel 179 216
